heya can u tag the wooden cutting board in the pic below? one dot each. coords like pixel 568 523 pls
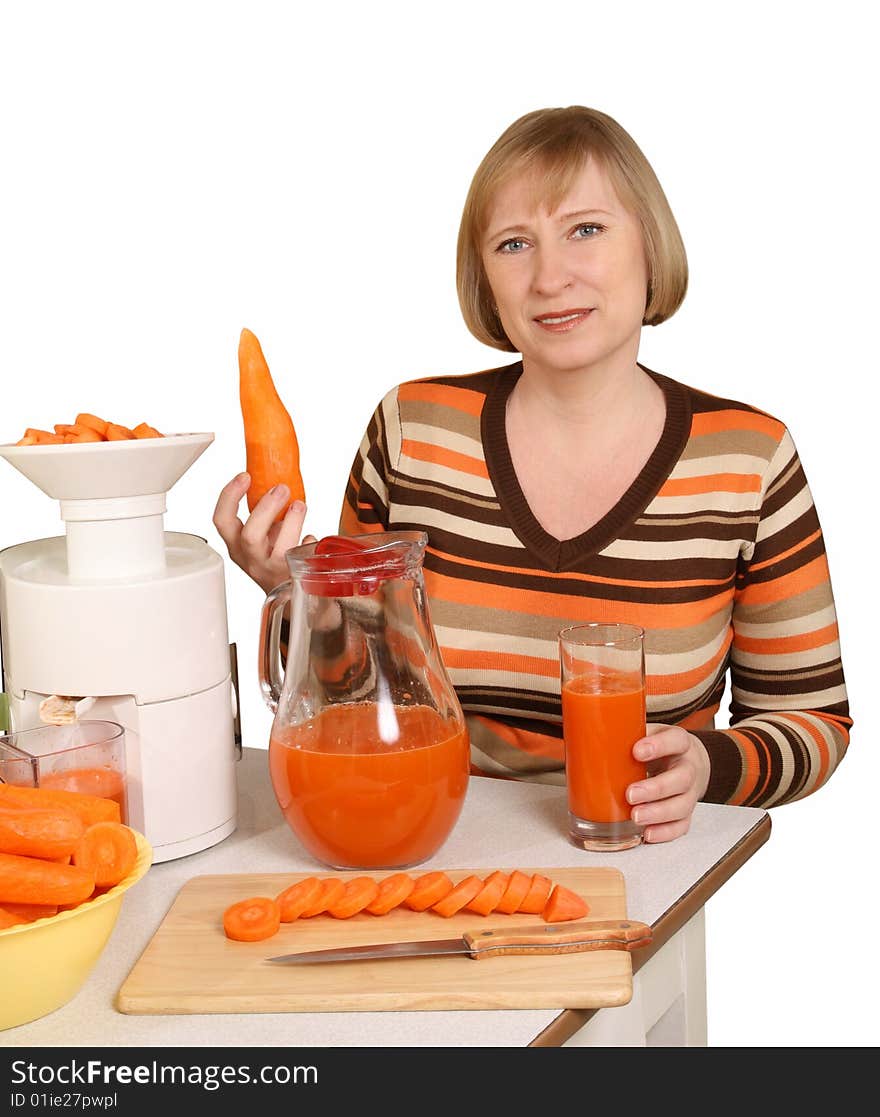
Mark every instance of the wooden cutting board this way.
pixel 189 966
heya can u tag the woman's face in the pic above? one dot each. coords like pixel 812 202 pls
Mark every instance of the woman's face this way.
pixel 571 285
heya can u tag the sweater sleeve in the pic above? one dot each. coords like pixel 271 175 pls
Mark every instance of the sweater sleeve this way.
pixel 366 505
pixel 789 724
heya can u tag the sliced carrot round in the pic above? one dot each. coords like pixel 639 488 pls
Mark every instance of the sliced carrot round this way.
pixel 253 919
pixel 564 904
pixel 358 892
pixel 460 895
pixel 537 895
pixel 518 885
pixel 428 889
pixel 393 891
pixel 486 900
pixel 294 900
pixel 331 890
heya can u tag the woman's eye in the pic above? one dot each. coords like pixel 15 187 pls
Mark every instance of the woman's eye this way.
pixel 514 244
pixel 585 232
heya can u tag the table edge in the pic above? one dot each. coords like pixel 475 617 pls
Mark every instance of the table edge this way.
pixel 571 1020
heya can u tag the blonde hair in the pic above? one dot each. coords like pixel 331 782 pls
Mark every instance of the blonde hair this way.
pixel 556 143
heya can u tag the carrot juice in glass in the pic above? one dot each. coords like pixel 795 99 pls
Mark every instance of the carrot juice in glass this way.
pixel 603 715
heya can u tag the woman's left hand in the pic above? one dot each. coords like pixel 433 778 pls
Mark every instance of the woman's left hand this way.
pixel 678 767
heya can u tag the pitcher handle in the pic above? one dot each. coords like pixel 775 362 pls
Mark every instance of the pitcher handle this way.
pixel 271 678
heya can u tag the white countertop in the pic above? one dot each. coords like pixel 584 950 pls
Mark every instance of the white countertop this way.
pixel 503 824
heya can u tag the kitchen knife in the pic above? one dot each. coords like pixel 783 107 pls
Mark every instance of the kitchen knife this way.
pixel 600 934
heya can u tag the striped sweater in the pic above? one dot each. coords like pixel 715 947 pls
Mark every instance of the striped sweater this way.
pixel 715 550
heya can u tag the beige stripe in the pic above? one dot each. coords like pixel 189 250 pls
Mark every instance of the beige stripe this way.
pixel 652 551
pixel 449 440
pixel 479 677
pixel 426 489
pixel 789 662
pixel 786 625
pixel 733 441
pixel 786 515
pixel 444 475
pixel 739 503
pixel 470 640
pixel 810 603
pixel 741 520
pixel 458 525
pixel 391 417
pixel 720 463
pixel 419 413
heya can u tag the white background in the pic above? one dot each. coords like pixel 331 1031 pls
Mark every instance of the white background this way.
pixel 173 172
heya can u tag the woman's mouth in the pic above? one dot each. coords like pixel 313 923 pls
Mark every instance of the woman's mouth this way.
pixel 560 321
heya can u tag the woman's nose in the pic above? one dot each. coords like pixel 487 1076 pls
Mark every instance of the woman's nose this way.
pixel 551 272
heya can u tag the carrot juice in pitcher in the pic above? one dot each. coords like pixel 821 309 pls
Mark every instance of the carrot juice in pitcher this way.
pixel 369 754
pixel 369 787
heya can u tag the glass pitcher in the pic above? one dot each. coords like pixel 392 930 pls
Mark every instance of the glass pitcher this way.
pixel 369 750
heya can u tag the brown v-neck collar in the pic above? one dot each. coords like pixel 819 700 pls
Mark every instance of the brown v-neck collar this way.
pixel 563 554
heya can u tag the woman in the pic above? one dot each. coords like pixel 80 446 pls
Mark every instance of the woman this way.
pixel 577 485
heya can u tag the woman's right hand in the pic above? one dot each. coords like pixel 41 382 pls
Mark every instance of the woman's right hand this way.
pixel 259 545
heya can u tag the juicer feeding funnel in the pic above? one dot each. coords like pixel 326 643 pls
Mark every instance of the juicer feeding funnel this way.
pixel 105 470
pixel 112 497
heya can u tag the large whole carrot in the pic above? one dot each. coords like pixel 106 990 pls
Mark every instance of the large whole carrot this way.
pixel 271 445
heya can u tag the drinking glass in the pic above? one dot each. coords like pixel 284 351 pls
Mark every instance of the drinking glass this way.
pixel 603 715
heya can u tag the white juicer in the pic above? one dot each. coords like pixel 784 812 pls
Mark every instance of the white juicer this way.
pixel 130 621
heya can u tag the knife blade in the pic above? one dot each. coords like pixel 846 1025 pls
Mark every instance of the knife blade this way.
pixel 599 934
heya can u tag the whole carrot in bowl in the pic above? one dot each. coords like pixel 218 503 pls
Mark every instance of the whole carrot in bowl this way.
pixel 271 445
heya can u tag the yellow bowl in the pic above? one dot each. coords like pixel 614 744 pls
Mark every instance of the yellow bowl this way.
pixel 45 963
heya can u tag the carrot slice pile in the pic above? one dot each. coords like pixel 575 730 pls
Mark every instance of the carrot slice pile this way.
pixel 512 892
pixel 108 850
pixel 486 900
pixel 251 920
pixel 460 895
pixel 392 892
pixel 294 900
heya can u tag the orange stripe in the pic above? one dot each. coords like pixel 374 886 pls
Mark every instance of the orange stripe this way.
pixel 437 455
pixel 711 422
pixel 799 546
pixel 712 483
pixel 500 661
pixel 798 581
pixel 586 578
pixel 460 399
pixel 571 607
pixel 779 645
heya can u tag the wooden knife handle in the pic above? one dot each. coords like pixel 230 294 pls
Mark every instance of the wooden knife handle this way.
pixel 550 938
